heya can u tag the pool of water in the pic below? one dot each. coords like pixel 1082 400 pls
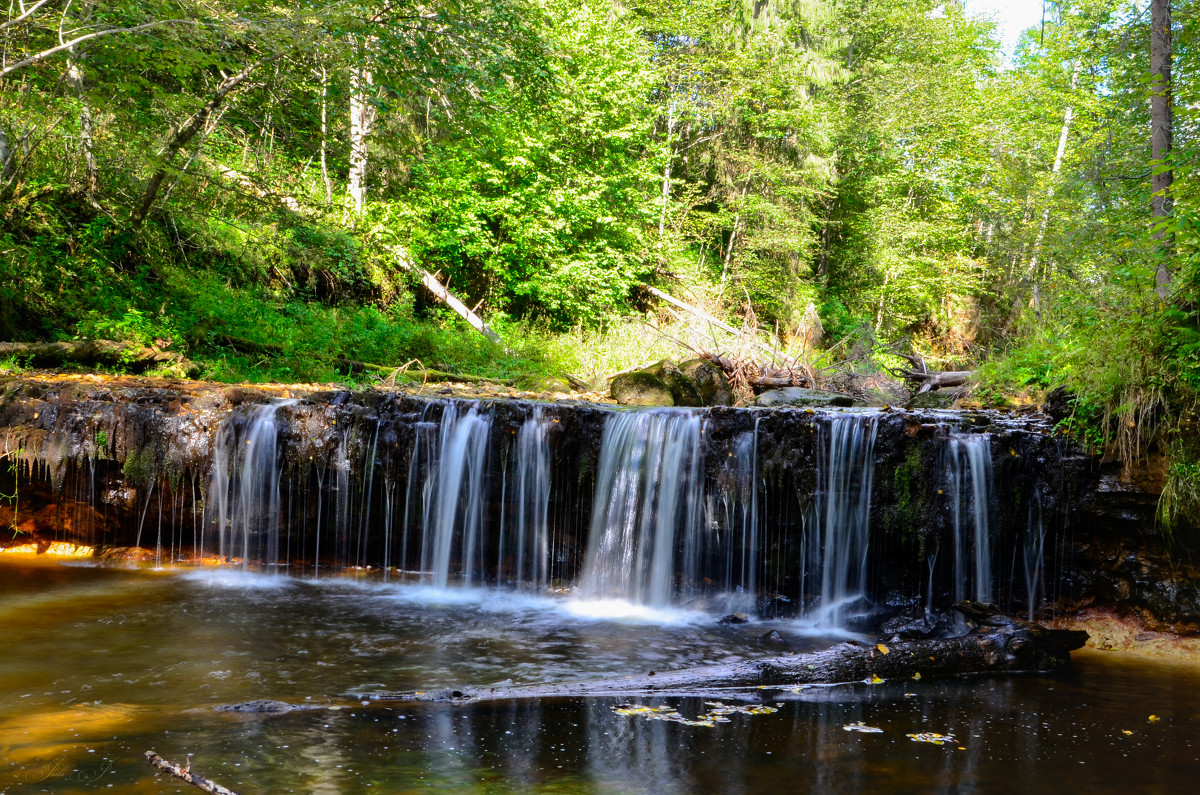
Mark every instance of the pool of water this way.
pixel 101 664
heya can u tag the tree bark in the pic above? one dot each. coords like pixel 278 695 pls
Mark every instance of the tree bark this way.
pixel 184 134
pixel 995 645
pixel 1068 117
pixel 325 137
pixel 8 164
pixel 1160 135
pixel 362 117
pixel 91 182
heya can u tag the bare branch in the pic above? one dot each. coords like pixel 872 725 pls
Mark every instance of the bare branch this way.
pixel 32 9
pixel 44 54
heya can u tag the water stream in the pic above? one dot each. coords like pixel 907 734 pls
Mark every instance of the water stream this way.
pixel 114 662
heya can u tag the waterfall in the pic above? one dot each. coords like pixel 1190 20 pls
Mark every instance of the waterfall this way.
pixel 739 546
pixel 837 551
pixel 454 517
pixel 649 489
pixel 1034 549
pixel 532 505
pixel 243 495
pixel 969 481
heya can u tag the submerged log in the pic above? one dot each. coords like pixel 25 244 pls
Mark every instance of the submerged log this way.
pixel 996 645
pixel 184 774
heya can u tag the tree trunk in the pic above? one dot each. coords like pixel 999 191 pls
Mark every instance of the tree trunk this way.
pixel 91 182
pixel 325 137
pixel 1068 117
pixel 997 645
pixel 8 164
pixel 666 180
pixel 1160 135
pixel 181 138
pixel 362 117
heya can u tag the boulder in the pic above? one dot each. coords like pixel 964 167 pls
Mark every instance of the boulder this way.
pixel 683 391
pixel 641 388
pixel 799 396
pixel 661 384
pixel 710 381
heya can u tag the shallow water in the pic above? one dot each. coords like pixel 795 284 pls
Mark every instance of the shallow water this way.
pixel 101 664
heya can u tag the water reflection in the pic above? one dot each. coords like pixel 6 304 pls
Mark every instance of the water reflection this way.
pixel 101 665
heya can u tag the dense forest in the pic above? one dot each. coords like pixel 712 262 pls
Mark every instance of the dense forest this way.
pixel 262 187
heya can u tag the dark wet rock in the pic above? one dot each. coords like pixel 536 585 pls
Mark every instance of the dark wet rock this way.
pixel 799 396
pixel 734 618
pixel 1059 404
pixel 641 388
pixel 772 638
pixel 776 605
pixel 709 380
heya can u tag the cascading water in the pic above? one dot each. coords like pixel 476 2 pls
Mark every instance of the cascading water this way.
pixel 530 539
pixel 649 491
pixel 738 520
pixel 969 482
pixel 453 518
pixel 243 505
pixel 836 551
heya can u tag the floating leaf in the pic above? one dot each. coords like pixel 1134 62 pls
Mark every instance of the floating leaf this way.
pixel 931 737
pixel 1126 732
pixel 873 679
pixel 862 727
pixel 883 649
pixel 1154 719
pixel 917 676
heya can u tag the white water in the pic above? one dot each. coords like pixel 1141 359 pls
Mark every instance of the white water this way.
pixel 649 490
pixel 969 478
pixel 531 461
pixel 243 503
pixel 838 546
pixel 453 520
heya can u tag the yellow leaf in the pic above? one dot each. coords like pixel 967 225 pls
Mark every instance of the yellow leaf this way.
pixel 1154 719
pixel 1126 731
pixel 917 676
pixel 882 649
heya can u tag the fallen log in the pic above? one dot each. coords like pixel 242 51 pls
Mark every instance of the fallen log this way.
pixel 184 774
pixel 130 355
pixel 928 380
pixel 996 644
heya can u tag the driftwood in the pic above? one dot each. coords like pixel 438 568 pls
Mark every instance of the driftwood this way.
pixel 927 380
pixel 765 377
pixel 184 774
pixel 996 644
pixel 94 352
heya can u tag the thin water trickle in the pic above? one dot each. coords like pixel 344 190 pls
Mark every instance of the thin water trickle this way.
pixel 969 480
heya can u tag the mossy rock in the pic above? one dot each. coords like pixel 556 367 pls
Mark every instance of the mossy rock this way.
pixel 683 391
pixel 709 380
pixel 641 388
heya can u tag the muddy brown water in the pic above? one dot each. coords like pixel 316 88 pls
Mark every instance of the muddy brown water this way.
pixel 99 664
